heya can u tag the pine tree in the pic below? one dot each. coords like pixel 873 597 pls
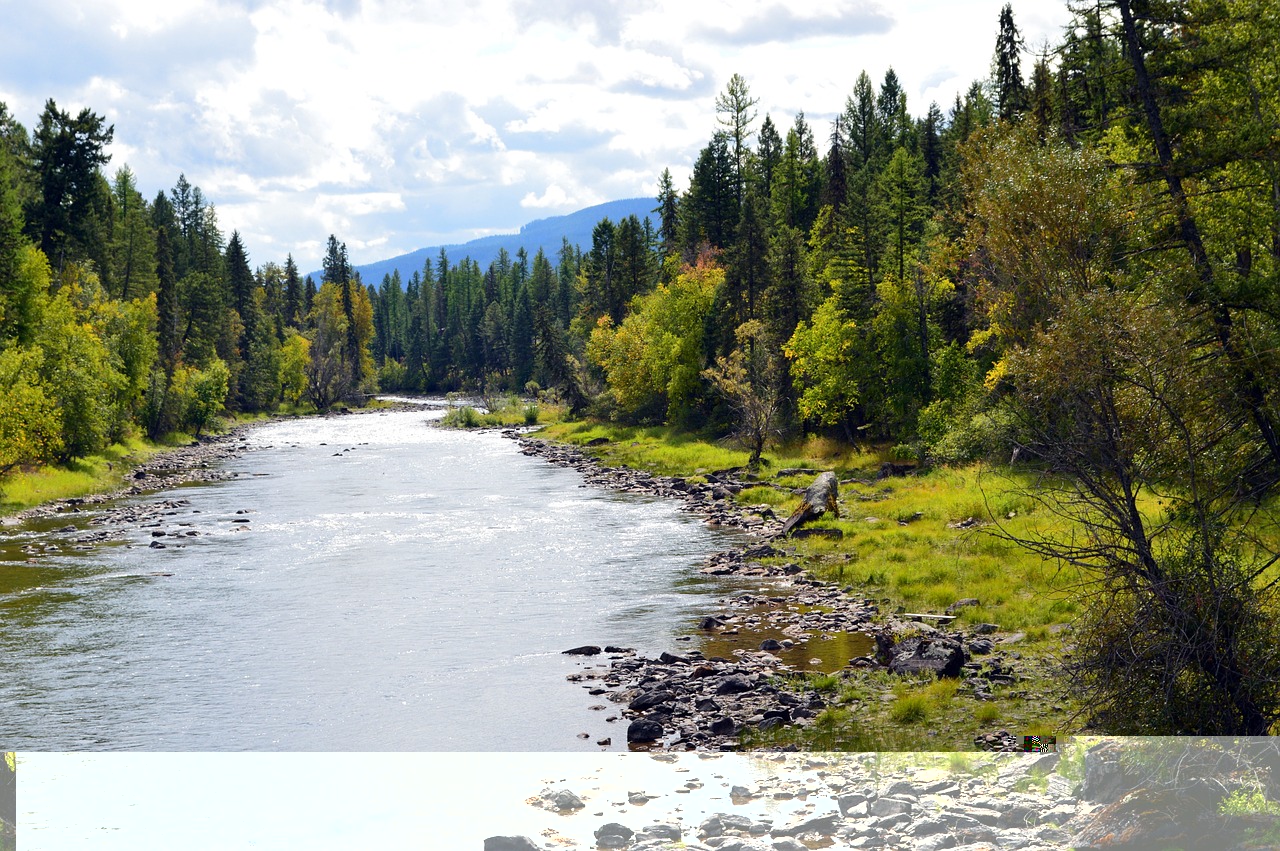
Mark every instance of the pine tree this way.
pixel 735 112
pixel 668 213
pixel 1010 91
pixel 294 298
pixel 166 304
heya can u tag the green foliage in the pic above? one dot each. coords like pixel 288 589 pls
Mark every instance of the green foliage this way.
pixel 652 361
pixel 1248 802
pixel 295 356
pixel 79 376
pixel 202 394
pixel 30 426
pixel 823 355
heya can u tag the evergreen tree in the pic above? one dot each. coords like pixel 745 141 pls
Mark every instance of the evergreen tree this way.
pixel 294 298
pixel 769 151
pixel 668 215
pixel 167 330
pixel 1006 69
pixel 131 250
pixel 67 153
pixel 735 112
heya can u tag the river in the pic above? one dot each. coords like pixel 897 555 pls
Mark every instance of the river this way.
pixel 396 587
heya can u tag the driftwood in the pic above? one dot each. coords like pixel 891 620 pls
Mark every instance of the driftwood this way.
pixel 819 498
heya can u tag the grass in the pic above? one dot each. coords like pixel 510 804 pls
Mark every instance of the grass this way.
pixel 907 545
pixel 511 411
pixel 104 471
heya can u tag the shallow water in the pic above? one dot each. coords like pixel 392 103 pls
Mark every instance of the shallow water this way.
pixel 327 802
pixel 397 587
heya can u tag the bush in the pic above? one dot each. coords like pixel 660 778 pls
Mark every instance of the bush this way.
pixel 464 417
pixel 531 415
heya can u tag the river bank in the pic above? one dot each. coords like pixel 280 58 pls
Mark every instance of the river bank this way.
pixel 797 660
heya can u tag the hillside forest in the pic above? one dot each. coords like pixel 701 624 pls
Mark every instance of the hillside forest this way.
pixel 1074 264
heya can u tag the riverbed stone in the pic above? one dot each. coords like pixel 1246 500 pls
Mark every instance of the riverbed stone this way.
pixel 644 730
pixel 510 843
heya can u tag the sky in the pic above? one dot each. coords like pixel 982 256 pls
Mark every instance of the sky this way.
pixel 396 125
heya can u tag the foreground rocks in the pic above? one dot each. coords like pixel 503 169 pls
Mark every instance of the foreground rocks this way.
pixel 1019 802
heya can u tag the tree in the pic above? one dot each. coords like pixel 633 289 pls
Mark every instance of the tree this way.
pixel 30 425
pixel 747 380
pixel 295 308
pixel 735 112
pixel 710 208
pixel 653 360
pixel 668 213
pixel 67 153
pixel 1006 68
pixel 131 250
pixel 825 355
pixel 1130 402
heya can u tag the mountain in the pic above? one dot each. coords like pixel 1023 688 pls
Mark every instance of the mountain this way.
pixel 545 233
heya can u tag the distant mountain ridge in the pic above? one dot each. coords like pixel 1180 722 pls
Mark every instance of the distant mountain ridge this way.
pixel 546 234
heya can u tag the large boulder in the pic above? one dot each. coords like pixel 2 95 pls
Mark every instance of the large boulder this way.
pixel 942 656
pixel 643 730
pixel 510 843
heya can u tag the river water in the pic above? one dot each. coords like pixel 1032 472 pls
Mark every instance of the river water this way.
pixel 397 587
pixel 393 802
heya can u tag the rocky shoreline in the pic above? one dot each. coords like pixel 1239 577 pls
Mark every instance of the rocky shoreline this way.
pixel 911 802
pixel 688 700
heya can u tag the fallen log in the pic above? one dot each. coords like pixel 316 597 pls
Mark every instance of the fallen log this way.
pixel 819 498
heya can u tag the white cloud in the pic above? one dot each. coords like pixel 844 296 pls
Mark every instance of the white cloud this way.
pixel 391 124
pixel 553 197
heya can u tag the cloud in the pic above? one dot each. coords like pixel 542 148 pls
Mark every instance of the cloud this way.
pixel 779 23
pixel 553 197
pixel 606 18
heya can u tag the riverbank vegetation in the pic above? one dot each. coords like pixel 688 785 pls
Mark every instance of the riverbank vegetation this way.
pixel 1067 276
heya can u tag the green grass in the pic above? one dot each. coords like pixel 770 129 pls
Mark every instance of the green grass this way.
pixel 511 411
pixel 97 473
pixel 922 565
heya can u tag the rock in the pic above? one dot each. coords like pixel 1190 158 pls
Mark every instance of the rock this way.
pixel 510 843
pixel 788 844
pixel 650 699
pixel 890 807
pixel 850 804
pixel 1143 819
pixel 670 832
pixel 723 727
pixel 1105 779
pixel 767 644
pixel 643 730
pixel 821 825
pixel 819 498
pixel 960 604
pixel 564 800
pixel 613 828
pixel 943 656
pixel 889 469
pixel 584 650
pixel 734 685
